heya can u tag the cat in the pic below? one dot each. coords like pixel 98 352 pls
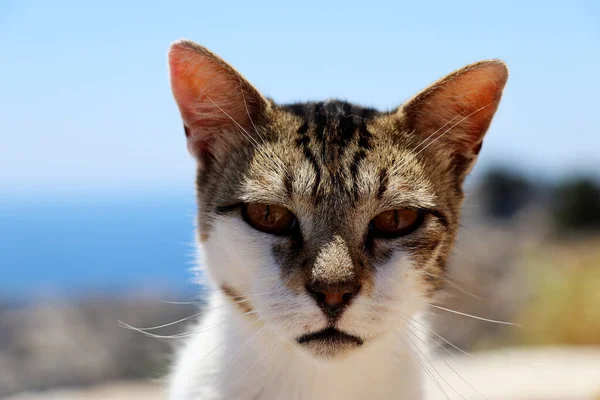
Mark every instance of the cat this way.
pixel 325 229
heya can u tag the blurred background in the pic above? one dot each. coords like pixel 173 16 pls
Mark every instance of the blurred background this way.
pixel 96 187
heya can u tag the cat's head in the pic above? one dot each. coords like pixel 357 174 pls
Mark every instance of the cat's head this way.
pixel 329 222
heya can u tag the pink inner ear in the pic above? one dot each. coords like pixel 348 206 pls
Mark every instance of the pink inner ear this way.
pixel 476 99
pixel 213 98
pixel 463 104
pixel 203 90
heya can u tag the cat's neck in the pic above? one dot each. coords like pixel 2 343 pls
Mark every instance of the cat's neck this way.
pixel 233 356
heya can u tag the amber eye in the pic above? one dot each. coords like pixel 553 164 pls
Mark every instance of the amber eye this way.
pixel 395 223
pixel 269 218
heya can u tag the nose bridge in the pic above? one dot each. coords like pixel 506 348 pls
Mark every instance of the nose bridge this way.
pixel 333 264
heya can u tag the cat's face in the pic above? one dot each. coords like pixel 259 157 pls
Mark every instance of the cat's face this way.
pixel 328 222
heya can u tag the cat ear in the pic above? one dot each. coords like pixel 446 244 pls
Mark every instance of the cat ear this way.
pixel 216 103
pixel 457 110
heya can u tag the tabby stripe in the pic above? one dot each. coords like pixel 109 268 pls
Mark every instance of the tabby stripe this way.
pixel 304 143
pixel 358 157
pixel 383 183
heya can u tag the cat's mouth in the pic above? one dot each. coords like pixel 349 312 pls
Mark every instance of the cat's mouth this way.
pixel 330 337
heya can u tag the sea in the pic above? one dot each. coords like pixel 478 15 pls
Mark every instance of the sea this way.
pixel 70 245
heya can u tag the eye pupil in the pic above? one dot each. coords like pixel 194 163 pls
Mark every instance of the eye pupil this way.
pixel 396 223
pixel 269 218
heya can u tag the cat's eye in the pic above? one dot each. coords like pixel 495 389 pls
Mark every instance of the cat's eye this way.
pixel 269 218
pixel 396 223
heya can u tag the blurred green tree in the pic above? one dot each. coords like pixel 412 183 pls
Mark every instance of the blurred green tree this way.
pixel 576 205
pixel 503 192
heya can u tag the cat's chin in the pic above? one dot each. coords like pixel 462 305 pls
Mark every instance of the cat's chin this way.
pixel 329 343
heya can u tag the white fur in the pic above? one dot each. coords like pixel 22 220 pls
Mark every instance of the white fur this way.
pixel 236 356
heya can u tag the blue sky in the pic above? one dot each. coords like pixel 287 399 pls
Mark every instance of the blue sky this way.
pixel 85 104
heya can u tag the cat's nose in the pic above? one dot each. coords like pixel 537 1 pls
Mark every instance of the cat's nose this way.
pixel 333 298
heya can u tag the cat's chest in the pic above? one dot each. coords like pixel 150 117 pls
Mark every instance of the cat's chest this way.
pixel 288 375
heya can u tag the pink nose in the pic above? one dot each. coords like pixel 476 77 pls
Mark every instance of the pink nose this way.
pixel 333 298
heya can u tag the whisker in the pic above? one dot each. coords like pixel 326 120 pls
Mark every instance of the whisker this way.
pixel 175 336
pixel 243 131
pixel 248 111
pixel 410 296
pixel 434 368
pixel 243 348
pixel 210 327
pixel 210 352
pixel 239 349
pixel 436 131
pixel 452 127
pixel 275 157
pixel 461 289
pixel 153 335
pixel 453 118
pixel 246 298
pixel 431 331
pixel 414 155
pixel 122 324
pixel 452 281
pixel 446 362
pixel 474 316
pixel 267 351
pixel 461 350
pixel 423 366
